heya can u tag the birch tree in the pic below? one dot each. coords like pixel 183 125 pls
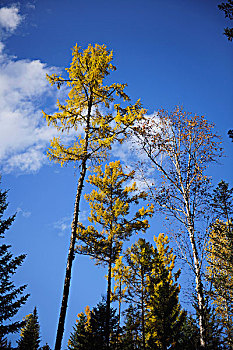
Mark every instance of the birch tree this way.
pixel 82 112
pixel 179 146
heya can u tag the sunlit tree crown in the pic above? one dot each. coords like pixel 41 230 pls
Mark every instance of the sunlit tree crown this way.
pixel 91 107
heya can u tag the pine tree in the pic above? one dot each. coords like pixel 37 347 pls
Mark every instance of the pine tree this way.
pixel 111 209
pixel 11 298
pixel 30 333
pixel 88 112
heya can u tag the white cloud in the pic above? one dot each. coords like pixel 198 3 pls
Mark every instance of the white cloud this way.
pixel 26 214
pixel 10 18
pixel 23 133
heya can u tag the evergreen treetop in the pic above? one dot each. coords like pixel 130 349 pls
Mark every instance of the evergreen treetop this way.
pixel 11 297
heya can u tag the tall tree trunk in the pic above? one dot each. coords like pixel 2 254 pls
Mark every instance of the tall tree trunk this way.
pixel 70 258
pixel 109 278
pixel 109 297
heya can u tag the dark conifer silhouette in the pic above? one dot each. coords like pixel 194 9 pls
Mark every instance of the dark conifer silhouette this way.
pixel 11 297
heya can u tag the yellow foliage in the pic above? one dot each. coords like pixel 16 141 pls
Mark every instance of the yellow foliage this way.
pixel 220 271
pixel 110 207
pixel 82 110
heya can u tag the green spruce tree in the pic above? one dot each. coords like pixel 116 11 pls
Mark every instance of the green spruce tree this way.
pixel 30 333
pixel 11 297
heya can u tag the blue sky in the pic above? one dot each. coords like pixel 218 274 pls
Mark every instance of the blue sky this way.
pixel 168 52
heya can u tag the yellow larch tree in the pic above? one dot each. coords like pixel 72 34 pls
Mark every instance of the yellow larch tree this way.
pixel 164 315
pixel 111 210
pixel 220 275
pixel 220 257
pixel 132 277
pixel 145 275
pixel 94 112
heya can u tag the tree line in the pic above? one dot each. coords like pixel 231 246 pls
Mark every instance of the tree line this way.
pixel 176 149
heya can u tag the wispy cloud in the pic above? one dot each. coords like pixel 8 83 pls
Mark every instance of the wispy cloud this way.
pixel 25 213
pixel 31 5
pixel 63 225
pixel 10 18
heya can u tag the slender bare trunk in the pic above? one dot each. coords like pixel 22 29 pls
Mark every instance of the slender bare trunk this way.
pixel 70 258
pixel 109 281
pixel 108 299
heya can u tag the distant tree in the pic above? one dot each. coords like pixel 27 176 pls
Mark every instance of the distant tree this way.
pixel 88 111
pixel 45 347
pixel 30 333
pixel 111 211
pixel 222 202
pixel 179 146
pixel 227 8
pixel 89 331
pixel 11 298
